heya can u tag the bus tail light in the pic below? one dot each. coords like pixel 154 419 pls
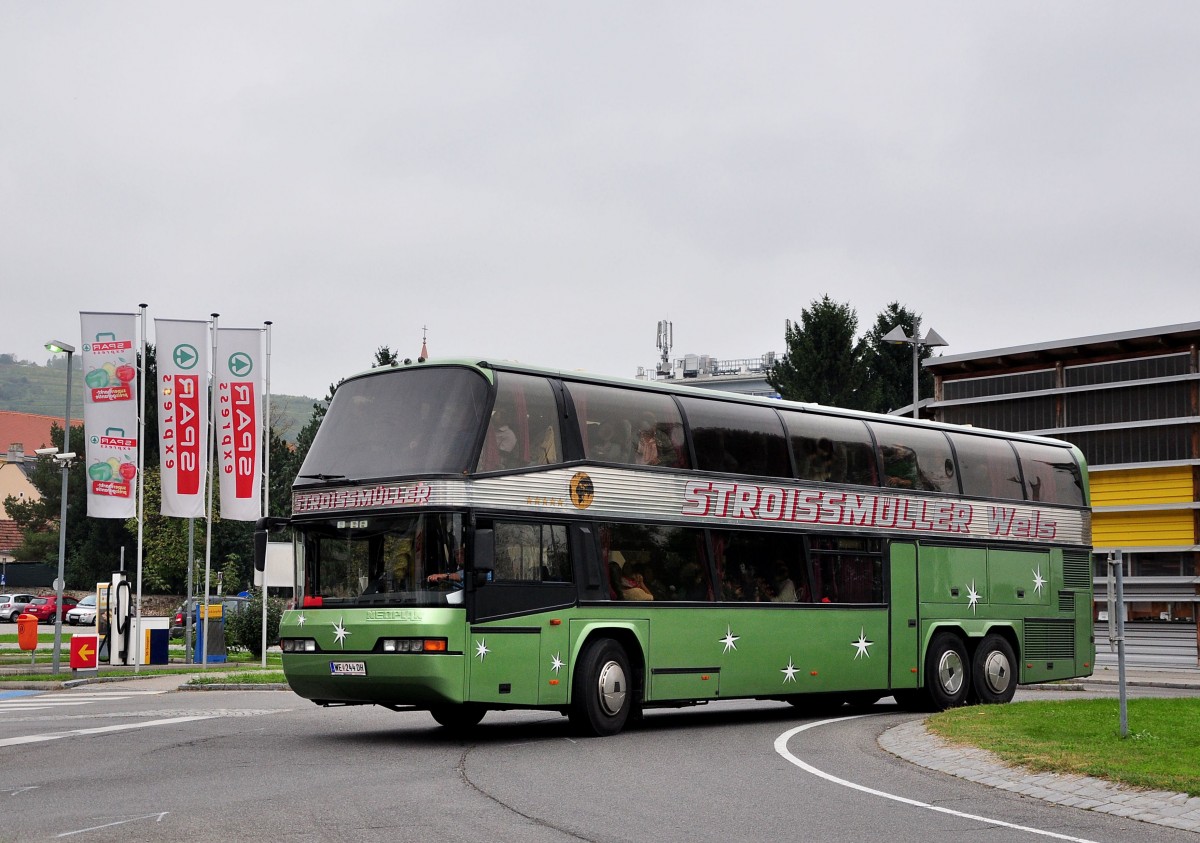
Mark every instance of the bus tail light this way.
pixel 413 645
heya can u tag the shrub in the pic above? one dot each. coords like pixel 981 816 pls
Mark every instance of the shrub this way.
pixel 243 630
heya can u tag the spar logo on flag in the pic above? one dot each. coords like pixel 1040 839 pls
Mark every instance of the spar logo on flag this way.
pixel 109 367
pixel 239 422
pixel 182 415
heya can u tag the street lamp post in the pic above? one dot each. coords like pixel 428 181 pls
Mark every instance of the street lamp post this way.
pixel 897 336
pixel 64 457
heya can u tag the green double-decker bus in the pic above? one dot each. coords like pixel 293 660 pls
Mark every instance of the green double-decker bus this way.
pixel 474 536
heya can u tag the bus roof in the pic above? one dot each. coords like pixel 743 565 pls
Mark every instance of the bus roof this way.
pixel 487 366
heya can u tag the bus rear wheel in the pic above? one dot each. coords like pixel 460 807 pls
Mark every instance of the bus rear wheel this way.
pixel 946 678
pixel 602 691
pixel 993 670
pixel 458 718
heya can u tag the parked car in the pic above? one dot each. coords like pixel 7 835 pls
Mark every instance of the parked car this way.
pixel 84 612
pixel 44 608
pixel 12 605
pixel 230 605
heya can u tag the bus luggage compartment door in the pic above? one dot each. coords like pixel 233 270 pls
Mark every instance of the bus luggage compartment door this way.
pixel 504 664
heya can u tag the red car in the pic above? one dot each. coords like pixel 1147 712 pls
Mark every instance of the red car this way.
pixel 43 607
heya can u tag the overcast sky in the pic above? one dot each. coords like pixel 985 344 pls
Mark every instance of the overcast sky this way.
pixel 546 181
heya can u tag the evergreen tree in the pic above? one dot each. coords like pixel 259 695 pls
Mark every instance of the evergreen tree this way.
pixel 823 363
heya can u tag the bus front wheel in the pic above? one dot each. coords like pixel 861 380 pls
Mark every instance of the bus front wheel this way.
pixel 458 718
pixel 602 692
pixel 993 670
pixel 946 678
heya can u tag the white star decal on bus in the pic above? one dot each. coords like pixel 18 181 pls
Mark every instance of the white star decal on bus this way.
pixel 972 597
pixel 556 663
pixel 481 649
pixel 789 672
pixel 1038 582
pixel 339 633
pixel 300 619
pixel 860 646
pixel 730 639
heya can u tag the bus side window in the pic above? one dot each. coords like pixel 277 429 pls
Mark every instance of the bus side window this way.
pixel 628 427
pixel 523 430
pixel 1051 474
pixel 916 458
pixel 987 467
pixel 831 449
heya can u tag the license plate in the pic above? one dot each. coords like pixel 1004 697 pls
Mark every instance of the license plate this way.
pixel 348 668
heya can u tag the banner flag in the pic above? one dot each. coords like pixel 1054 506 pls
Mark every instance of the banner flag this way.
pixel 110 413
pixel 182 415
pixel 239 424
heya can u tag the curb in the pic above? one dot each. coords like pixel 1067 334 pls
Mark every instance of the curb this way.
pixel 235 686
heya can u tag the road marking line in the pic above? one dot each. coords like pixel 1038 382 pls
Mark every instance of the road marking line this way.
pixel 157 818
pixel 99 730
pixel 781 748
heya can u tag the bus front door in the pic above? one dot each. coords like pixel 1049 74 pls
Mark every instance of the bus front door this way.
pixel 905 654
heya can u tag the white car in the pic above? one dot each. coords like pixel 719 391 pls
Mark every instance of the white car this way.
pixel 12 605
pixel 84 612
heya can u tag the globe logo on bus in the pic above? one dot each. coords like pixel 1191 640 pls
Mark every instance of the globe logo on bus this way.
pixel 582 490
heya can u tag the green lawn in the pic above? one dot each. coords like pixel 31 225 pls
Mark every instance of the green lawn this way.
pixel 1161 751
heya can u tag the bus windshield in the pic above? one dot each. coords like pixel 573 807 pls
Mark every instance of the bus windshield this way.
pixel 381 560
pixel 399 423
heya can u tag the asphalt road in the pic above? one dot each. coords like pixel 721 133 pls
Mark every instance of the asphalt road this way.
pixel 266 765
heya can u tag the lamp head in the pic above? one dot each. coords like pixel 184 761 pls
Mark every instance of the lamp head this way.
pixel 60 347
pixel 897 336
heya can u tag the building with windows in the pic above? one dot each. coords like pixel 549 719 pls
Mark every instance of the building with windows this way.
pixel 1131 402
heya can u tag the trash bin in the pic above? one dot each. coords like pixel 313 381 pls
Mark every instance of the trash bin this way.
pixel 27 631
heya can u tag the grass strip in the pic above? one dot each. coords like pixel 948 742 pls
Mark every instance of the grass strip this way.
pixel 259 677
pixel 1083 736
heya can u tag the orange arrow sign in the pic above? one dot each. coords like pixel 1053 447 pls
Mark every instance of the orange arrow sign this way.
pixel 83 651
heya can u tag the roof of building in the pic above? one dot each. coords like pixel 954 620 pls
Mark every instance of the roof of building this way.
pixel 10 536
pixel 29 430
pixel 1142 340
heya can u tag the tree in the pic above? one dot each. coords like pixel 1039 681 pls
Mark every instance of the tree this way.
pixel 823 362
pixel 889 365
pixel 384 356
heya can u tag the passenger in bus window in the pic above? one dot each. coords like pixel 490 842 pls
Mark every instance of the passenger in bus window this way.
pixel 612 442
pixel 506 439
pixel 784 589
pixel 633 583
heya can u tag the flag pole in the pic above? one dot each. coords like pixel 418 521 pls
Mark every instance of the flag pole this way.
pixel 141 497
pixel 266 483
pixel 212 410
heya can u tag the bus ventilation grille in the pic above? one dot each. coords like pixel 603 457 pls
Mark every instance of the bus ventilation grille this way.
pixel 1077 570
pixel 1066 602
pixel 1049 639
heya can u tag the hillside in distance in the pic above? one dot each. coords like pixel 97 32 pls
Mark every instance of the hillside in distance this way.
pixel 27 387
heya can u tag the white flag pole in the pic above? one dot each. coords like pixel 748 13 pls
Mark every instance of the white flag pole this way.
pixel 212 410
pixel 266 483
pixel 141 497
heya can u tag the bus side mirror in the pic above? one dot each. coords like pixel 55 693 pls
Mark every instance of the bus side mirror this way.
pixel 262 531
pixel 485 548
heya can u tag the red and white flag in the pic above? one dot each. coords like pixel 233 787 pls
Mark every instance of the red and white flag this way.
pixel 238 371
pixel 110 413
pixel 182 415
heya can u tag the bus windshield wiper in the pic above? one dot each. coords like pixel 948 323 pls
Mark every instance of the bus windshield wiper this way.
pixel 324 477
